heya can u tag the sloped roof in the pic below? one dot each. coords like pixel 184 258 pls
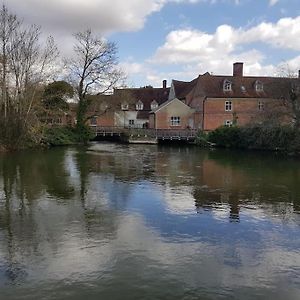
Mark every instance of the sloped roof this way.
pixel 182 88
pixel 211 86
pixel 145 95
pixel 166 104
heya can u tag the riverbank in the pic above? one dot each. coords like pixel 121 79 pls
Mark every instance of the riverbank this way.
pixel 284 139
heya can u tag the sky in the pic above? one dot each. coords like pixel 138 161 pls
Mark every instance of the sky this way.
pixel 178 39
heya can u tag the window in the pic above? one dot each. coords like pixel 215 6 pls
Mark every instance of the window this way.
pixel 259 86
pixel 227 85
pixel 228 105
pixel 131 122
pixel 124 106
pixel 139 105
pixel 175 121
pixel 93 121
pixel 154 104
pixel 261 105
pixel 57 121
pixel 228 123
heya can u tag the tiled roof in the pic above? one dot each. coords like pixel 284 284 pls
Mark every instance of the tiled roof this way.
pixel 143 114
pixel 211 86
pixel 182 88
pixel 145 95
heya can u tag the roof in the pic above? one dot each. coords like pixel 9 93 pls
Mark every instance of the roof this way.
pixel 166 104
pixel 211 86
pixel 182 88
pixel 146 95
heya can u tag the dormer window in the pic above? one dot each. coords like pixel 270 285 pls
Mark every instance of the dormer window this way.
pixel 139 105
pixel 227 86
pixel 259 87
pixel 124 106
pixel 154 105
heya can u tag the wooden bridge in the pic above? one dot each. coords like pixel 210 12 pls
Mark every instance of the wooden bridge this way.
pixel 144 133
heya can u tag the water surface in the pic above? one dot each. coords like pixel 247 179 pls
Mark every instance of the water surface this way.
pixel 149 222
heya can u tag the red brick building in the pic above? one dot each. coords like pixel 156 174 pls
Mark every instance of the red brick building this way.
pixel 224 100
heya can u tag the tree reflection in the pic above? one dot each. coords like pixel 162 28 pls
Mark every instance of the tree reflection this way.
pixel 26 178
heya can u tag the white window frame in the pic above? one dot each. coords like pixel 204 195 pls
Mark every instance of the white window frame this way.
pixel 139 106
pixel 175 121
pixel 261 105
pixel 154 105
pixel 259 87
pixel 228 123
pixel 124 106
pixel 227 86
pixel 228 105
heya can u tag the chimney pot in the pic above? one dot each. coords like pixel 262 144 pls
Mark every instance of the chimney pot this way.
pixel 238 69
pixel 164 84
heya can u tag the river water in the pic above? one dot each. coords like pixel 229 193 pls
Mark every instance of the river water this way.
pixel 149 222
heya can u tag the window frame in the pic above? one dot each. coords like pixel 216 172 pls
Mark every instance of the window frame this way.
pixel 154 105
pixel 261 105
pixel 139 105
pixel 93 121
pixel 259 87
pixel 228 105
pixel 124 106
pixel 175 121
pixel 227 86
pixel 228 123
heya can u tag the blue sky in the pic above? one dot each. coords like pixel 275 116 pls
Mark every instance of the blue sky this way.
pixel 179 39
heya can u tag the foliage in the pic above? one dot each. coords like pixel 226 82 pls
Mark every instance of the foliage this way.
pixel 60 136
pixel 13 131
pixel 202 139
pixel 56 94
pixel 282 138
pixel 225 136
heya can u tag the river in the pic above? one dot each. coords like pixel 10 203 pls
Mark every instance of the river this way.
pixel 124 222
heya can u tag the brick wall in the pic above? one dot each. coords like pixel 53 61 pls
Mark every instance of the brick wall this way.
pixel 245 111
pixel 174 109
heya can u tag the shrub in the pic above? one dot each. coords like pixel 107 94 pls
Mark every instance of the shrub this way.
pixel 282 138
pixel 59 136
pixel 202 139
pixel 229 137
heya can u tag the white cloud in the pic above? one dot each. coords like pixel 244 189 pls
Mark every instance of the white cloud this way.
pixel 107 16
pixel 283 34
pixel 199 51
pixel 103 15
pixel 273 2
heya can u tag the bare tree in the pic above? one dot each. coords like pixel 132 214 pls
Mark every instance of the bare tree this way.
pixel 23 64
pixel 93 69
pixel 8 25
pixel 288 87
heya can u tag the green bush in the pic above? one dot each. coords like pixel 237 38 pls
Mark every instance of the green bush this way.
pixel 59 136
pixel 202 139
pixel 281 138
pixel 229 137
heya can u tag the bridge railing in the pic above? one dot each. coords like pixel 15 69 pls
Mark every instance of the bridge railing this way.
pixel 138 131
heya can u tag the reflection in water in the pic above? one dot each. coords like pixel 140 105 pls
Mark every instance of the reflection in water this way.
pixel 148 222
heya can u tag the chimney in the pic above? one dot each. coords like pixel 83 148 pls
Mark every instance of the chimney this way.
pixel 164 84
pixel 238 69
